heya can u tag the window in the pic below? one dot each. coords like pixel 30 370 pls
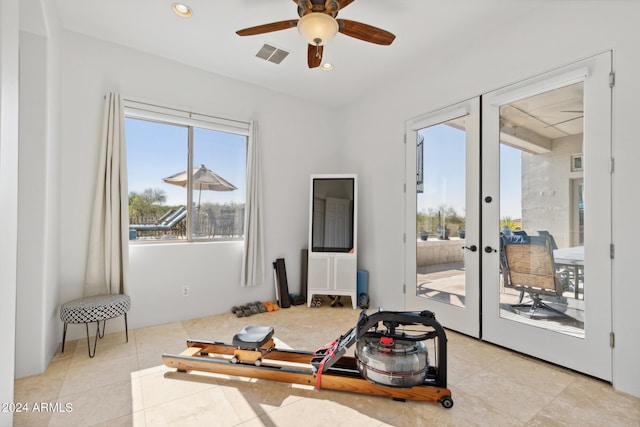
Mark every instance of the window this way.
pixel 168 203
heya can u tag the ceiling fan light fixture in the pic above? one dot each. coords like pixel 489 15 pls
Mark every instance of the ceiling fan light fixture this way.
pixel 317 28
pixel 182 10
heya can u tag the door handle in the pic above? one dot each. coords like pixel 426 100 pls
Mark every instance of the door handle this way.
pixel 472 248
pixel 489 249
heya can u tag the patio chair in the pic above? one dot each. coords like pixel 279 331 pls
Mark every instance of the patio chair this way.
pixel 530 268
pixel 545 233
pixel 168 214
pixel 565 275
pixel 513 239
pixel 168 223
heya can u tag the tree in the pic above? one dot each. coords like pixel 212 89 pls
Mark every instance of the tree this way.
pixel 431 219
pixel 510 223
pixel 149 203
pixel 449 216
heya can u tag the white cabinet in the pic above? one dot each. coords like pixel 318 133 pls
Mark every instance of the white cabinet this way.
pixel 332 262
pixel 332 273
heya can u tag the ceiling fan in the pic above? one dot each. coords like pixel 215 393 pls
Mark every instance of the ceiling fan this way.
pixel 580 112
pixel 318 25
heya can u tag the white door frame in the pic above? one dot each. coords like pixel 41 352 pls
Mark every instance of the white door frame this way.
pixel 467 319
pixel 591 355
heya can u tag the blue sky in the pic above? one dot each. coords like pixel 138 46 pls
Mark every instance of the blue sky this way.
pixel 157 150
pixel 445 173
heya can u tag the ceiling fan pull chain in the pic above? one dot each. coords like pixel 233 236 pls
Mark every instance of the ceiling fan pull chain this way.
pixel 317 51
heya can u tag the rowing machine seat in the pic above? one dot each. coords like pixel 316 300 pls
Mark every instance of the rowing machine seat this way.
pixel 253 336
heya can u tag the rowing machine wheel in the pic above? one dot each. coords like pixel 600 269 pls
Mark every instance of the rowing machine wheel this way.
pixel 234 360
pixel 446 402
pixel 258 362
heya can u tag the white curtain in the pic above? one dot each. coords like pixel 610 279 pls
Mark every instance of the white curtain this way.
pixel 108 253
pixel 253 266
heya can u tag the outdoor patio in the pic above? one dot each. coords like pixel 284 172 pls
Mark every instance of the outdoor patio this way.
pixel 440 276
pixel 210 224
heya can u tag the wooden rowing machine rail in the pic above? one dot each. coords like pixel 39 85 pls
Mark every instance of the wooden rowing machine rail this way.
pixel 328 367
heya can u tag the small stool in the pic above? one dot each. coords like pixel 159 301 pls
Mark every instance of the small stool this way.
pixel 97 309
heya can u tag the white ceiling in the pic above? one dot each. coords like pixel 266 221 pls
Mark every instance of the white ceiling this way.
pixel 207 40
pixel 552 115
pixel 534 123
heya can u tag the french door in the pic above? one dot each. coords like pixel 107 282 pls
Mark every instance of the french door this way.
pixel 443 160
pixel 532 194
pixel 546 162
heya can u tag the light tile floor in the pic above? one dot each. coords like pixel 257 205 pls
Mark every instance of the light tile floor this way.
pixel 127 385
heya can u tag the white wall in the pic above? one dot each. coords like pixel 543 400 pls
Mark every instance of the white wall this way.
pixel 368 140
pixel 51 285
pixel 293 146
pixel 9 42
pixel 30 323
pixel 37 322
pixel 554 34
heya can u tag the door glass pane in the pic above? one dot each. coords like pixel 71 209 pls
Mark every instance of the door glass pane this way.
pixel 542 210
pixel 440 216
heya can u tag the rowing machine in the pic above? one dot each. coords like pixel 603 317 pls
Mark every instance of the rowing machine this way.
pixel 391 358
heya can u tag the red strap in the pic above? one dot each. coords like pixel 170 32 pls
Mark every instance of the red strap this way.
pixel 319 375
pixel 330 354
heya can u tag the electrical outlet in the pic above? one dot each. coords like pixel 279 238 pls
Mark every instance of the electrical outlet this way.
pixel 185 291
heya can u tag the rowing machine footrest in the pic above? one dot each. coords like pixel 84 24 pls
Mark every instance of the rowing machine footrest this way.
pixel 326 356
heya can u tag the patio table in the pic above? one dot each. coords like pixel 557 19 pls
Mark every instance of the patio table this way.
pixel 573 259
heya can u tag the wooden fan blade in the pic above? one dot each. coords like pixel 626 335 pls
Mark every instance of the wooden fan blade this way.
pixel 268 28
pixel 341 3
pixel 314 55
pixel 345 3
pixel 365 32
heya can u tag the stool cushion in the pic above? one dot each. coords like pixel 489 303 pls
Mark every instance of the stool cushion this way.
pixel 253 336
pixel 95 308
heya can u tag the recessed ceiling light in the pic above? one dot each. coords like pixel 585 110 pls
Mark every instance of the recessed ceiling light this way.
pixel 182 10
pixel 327 66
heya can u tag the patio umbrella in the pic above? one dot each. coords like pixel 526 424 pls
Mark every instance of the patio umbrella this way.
pixel 203 179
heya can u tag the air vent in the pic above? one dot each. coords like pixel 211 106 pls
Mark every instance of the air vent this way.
pixel 272 54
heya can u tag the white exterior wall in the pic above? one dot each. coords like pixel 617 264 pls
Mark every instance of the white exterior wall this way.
pixel 552 35
pixel 546 189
